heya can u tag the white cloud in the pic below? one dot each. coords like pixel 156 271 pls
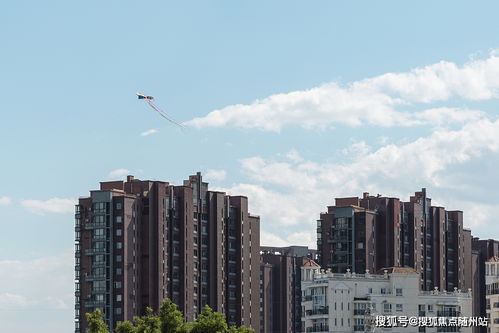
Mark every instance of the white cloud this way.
pixel 374 101
pixel 356 149
pixel 45 283
pixel 5 201
pixel 12 301
pixel 294 156
pixel 291 194
pixel 149 132
pixel 268 239
pixel 215 174
pixel 118 173
pixel 54 205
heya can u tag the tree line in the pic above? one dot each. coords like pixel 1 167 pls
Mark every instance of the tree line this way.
pixel 168 320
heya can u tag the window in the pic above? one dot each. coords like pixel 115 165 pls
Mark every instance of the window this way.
pixel 118 298
pixel 430 307
pixel 117 311
pixel 360 245
pixel 99 207
pixel 117 285
pixel 119 258
pixel 119 271
pixel 370 290
pixel 118 232
pixel 118 219
pixel 119 245
pixel 387 307
pixel 398 291
pixel 118 205
pixel 399 308
pixel 99 258
pixel 99 232
pixel 383 291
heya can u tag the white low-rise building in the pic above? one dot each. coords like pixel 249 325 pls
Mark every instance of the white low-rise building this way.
pixel 352 302
pixel 492 293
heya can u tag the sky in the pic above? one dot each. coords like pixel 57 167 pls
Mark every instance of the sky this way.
pixel 290 103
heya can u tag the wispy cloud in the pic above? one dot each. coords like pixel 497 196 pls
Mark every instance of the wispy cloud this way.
pixel 378 101
pixel 54 205
pixel 118 173
pixel 215 174
pixel 149 132
pixel 22 280
pixel 5 201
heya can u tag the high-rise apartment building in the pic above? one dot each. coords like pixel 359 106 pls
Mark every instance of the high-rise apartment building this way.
pixel 373 232
pixel 138 242
pixel 280 282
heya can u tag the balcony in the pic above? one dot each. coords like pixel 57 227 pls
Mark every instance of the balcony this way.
pixel 95 277
pixel 359 312
pixel 316 312
pixel 94 304
pixel 319 328
pixel 358 328
pixel 90 252
pixel 451 313
pixel 94 225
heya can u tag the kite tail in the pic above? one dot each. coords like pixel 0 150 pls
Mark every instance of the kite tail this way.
pixel 163 114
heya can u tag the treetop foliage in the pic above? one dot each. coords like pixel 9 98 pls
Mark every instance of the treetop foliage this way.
pixel 168 320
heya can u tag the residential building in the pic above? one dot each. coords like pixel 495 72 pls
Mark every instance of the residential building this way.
pixel 350 302
pixel 483 250
pixel 139 242
pixel 492 293
pixel 372 232
pixel 280 282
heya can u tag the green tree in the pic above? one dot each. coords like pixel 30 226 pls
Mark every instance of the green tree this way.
pixel 210 322
pixel 125 327
pixel 96 323
pixel 172 320
pixel 149 323
pixel 240 329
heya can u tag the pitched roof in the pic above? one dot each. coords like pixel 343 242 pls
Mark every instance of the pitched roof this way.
pixel 397 270
pixel 310 263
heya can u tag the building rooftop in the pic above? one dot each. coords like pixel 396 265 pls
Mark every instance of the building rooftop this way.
pixel 310 263
pixel 397 270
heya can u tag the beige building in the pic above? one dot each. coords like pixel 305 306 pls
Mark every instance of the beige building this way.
pixel 349 302
pixel 492 293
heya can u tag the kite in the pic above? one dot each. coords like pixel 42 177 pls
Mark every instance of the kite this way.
pixel 149 99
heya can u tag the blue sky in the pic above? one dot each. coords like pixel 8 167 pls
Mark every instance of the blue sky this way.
pixel 287 102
